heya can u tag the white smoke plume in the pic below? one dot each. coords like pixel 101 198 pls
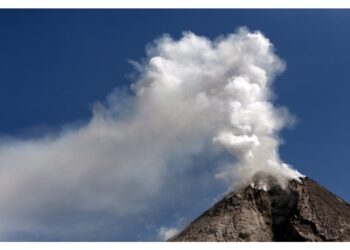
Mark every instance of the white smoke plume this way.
pixel 193 95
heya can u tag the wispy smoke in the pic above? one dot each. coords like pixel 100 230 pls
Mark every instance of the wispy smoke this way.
pixel 166 233
pixel 194 96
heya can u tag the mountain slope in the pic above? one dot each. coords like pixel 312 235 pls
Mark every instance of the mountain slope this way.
pixel 303 211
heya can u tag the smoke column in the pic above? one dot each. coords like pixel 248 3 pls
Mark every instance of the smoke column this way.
pixel 193 95
pixel 227 83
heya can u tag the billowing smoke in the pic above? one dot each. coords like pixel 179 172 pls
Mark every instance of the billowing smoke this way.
pixel 193 97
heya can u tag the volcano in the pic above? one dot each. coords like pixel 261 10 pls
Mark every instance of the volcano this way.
pixel 301 211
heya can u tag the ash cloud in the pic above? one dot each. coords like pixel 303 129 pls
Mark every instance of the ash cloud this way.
pixel 193 97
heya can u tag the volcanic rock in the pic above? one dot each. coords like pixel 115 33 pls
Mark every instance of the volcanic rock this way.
pixel 302 211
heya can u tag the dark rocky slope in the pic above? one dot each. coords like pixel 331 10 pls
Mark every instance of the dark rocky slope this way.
pixel 301 212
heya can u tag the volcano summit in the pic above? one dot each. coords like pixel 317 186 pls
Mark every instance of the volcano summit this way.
pixel 302 211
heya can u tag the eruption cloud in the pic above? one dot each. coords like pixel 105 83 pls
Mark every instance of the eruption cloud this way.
pixel 193 97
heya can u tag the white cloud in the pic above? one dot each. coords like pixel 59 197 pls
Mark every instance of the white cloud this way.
pixel 166 233
pixel 191 92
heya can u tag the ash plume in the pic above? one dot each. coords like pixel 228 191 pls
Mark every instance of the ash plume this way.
pixel 193 96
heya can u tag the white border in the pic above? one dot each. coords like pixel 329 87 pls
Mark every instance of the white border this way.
pixel 156 4
pixel 173 246
pixel 174 4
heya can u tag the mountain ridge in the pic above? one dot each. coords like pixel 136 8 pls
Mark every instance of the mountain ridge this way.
pixel 303 211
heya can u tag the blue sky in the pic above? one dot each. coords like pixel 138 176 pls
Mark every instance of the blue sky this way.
pixel 55 64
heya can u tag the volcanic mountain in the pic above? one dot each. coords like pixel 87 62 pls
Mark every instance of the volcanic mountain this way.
pixel 302 211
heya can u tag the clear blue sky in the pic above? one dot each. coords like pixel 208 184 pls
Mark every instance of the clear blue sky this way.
pixel 55 64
